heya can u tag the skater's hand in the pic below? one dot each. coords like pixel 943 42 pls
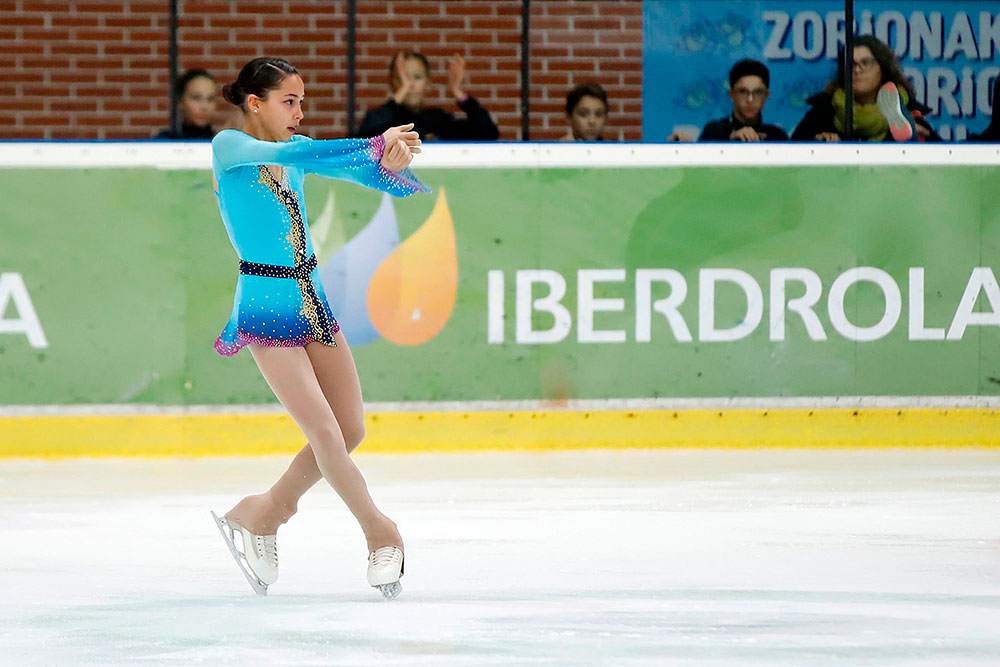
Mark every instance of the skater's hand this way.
pixel 827 136
pixel 401 144
pixel 745 134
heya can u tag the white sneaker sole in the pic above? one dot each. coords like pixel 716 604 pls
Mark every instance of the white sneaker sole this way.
pixel 888 104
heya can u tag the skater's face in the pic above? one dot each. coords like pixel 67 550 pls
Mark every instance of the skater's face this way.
pixel 748 95
pixel 278 115
pixel 198 101
pixel 867 73
pixel 587 119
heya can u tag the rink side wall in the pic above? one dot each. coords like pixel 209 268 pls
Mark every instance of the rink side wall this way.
pixel 542 297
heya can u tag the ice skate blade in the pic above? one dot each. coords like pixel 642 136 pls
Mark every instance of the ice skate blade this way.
pixel 390 591
pixel 259 587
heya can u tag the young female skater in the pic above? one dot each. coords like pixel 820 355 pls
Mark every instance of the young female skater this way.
pixel 281 313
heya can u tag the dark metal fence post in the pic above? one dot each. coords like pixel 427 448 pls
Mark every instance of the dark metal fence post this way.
pixel 849 69
pixel 525 69
pixel 175 121
pixel 352 43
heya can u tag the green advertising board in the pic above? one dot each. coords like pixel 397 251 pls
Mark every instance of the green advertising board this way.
pixel 523 283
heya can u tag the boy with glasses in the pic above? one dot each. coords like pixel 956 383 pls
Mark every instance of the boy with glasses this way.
pixel 748 88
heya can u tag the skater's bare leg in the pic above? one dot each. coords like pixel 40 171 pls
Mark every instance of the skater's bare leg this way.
pixel 295 382
pixel 265 512
pixel 338 378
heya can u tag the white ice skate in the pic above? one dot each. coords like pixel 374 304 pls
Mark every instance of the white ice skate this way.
pixel 385 567
pixel 259 558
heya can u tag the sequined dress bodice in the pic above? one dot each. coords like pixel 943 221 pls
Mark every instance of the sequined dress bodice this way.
pixel 267 225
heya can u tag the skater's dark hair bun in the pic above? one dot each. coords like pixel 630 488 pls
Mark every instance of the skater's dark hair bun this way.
pixel 258 77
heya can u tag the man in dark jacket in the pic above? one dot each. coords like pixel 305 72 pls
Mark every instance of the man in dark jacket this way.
pixel 992 131
pixel 408 76
pixel 749 83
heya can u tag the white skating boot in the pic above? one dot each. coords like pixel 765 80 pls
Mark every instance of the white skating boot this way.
pixel 385 567
pixel 259 558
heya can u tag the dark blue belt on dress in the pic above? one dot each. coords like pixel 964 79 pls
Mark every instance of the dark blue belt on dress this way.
pixel 300 272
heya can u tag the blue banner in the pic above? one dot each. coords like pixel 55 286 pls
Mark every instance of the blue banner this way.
pixel 949 50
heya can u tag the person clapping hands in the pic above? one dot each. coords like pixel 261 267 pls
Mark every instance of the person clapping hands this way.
pixel 409 77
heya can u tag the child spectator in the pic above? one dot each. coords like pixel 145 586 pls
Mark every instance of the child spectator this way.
pixel 586 111
pixel 196 98
pixel 749 88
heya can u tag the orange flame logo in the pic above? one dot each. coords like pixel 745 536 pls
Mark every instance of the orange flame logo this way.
pixel 413 291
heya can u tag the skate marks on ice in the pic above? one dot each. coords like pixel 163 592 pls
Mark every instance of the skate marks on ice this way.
pixel 633 558
pixel 631 627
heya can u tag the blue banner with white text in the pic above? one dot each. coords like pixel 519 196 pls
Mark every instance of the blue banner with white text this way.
pixel 949 50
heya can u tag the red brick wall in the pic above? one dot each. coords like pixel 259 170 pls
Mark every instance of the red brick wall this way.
pixel 583 41
pixel 98 70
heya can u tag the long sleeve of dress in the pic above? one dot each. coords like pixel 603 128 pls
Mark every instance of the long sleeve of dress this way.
pixel 354 160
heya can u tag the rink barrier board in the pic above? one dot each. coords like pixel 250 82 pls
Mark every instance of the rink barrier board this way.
pixel 254 434
pixel 107 341
pixel 173 155
pixel 459 429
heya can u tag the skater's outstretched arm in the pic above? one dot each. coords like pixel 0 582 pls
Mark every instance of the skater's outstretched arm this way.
pixel 367 162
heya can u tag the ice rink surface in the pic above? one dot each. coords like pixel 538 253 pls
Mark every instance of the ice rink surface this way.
pixel 764 557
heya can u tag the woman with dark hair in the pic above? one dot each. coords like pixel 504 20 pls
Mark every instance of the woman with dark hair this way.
pixel 196 97
pixel 885 107
pixel 992 131
pixel 409 74
pixel 281 313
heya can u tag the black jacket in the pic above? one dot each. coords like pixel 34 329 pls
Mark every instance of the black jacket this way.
pixel 992 131
pixel 820 118
pixel 990 134
pixel 719 130
pixel 188 132
pixel 433 122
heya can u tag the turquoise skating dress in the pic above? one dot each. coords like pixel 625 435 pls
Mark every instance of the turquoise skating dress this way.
pixel 279 298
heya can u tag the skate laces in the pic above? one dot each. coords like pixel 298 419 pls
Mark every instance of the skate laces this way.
pixel 385 557
pixel 266 547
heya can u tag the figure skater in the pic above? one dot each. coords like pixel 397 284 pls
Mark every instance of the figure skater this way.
pixel 281 313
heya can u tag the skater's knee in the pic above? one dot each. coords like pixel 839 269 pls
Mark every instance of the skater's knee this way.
pixel 354 433
pixel 327 435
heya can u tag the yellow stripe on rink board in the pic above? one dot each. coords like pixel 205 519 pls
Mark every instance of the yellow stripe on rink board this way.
pixel 56 437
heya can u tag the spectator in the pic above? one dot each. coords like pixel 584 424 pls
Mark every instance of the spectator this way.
pixel 749 84
pixel 586 111
pixel 876 69
pixel 992 131
pixel 409 73
pixel 196 97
